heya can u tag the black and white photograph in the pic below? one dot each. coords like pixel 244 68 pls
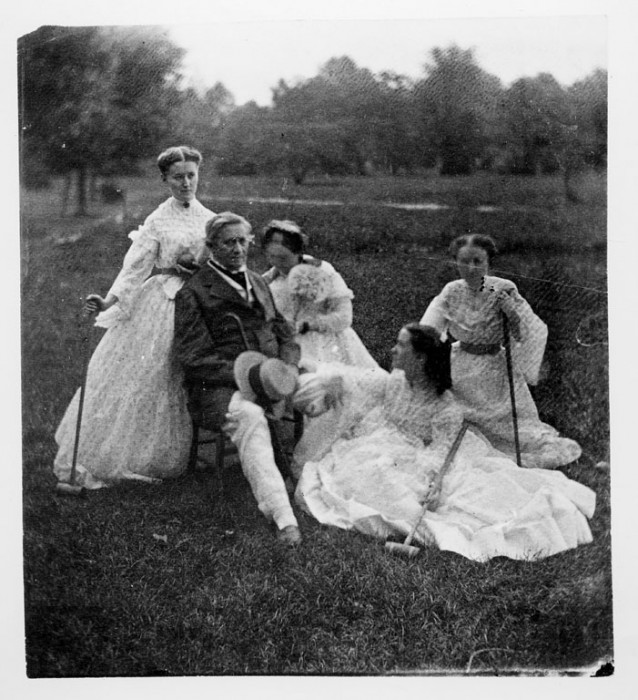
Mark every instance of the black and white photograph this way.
pixel 312 318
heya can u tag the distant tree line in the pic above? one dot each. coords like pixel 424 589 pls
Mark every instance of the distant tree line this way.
pixel 95 101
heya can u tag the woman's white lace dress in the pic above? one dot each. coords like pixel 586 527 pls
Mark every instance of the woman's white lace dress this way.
pixel 392 440
pixel 480 382
pixel 135 422
pixel 336 340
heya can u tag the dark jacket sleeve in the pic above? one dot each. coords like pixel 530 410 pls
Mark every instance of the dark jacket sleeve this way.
pixel 192 344
pixel 283 331
pixel 289 350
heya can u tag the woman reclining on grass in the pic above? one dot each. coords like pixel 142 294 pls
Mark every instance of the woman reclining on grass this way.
pixel 394 432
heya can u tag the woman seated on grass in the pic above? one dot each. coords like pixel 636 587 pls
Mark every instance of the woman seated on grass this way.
pixel 471 309
pixel 312 295
pixel 394 432
pixel 135 422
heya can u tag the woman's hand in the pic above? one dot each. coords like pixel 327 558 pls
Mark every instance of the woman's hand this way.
pixel 505 302
pixel 434 494
pixel 186 265
pixel 317 393
pixel 94 303
pixel 186 272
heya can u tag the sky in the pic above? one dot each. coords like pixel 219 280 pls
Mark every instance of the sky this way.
pixel 250 57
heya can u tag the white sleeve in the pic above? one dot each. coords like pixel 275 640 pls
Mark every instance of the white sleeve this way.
pixel 436 314
pixel 528 352
pixel 137 266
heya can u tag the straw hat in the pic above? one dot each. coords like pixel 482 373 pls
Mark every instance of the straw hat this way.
pixel 259 377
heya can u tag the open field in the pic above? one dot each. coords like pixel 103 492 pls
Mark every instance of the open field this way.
pixel 106 596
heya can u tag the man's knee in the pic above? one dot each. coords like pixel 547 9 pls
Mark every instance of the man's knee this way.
pixel 246 411
pixel 208 407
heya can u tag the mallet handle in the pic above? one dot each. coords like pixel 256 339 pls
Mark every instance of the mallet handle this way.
pixel 439 478
pixel 510 377
pixel 78 424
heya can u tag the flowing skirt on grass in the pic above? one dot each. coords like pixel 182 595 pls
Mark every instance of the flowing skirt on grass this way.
pixel 481 388
pixel 135 421
pixel 488 506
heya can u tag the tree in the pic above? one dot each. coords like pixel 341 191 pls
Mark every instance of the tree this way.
pixel 589 104
pixel 337 107
pixel 247 143
pixel 398 145
pixel 200 119
pixel 95 100
pixel 458 105
pixel 537 112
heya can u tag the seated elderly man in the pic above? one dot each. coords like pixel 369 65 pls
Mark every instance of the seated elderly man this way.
pixel 207 344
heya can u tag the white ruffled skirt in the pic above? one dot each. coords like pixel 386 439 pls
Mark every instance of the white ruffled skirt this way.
pixel 481 388
pixel 488 506
pixel 135 422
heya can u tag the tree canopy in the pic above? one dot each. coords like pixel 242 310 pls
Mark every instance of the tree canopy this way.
pixel 97 100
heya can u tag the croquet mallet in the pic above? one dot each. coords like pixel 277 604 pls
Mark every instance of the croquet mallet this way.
pixel 510 377
pixel 405 547
pixel 70 488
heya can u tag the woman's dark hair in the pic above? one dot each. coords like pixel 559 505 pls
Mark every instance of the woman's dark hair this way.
pixel 178 154
pixel 292 236
pixel 427 341
pixel 480 240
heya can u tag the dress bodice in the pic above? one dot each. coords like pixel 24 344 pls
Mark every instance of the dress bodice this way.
pixel 169 232
pixel 379 400
pixel 172 230
pixel 290 308
pixel 473 317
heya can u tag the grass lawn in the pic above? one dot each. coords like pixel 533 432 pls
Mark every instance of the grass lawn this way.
pixel 145 580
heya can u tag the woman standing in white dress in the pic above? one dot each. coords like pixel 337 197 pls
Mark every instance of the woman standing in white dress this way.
pixel 312 295
pixel 394 433
pixel 471 309
pixel 135 422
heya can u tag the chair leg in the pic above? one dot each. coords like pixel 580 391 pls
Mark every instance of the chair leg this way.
pixel 298 426
pixel 192 457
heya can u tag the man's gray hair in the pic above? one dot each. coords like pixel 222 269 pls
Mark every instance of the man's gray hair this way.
pixel 215 225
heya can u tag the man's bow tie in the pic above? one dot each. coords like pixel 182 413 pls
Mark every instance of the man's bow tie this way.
pixel 238 277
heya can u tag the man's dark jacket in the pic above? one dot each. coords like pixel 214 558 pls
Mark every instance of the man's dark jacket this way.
pixel 206 344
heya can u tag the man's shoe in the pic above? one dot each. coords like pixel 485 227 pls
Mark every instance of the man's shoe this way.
pixel 289 536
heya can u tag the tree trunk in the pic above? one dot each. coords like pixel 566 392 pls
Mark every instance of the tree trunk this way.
pixel 82 185
pixel 66 188
pixel 93 186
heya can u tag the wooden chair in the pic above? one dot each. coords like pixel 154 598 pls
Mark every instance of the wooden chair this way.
pixel 225 448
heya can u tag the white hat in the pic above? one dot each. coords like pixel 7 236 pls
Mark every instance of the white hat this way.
pixel 261 377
